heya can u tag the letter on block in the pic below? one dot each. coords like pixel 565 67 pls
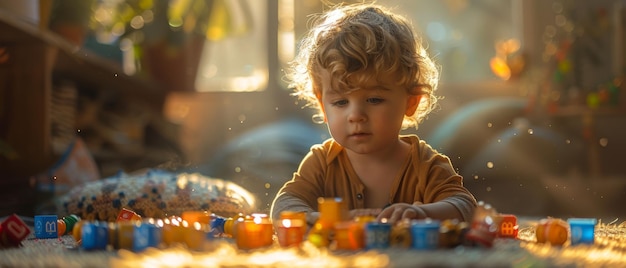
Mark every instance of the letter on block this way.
pixel 508 226
pixel 12 231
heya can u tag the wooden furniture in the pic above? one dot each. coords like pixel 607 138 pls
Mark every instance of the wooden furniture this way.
pixel 34 63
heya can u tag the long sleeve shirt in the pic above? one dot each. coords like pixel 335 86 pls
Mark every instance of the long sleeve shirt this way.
pixel 427 177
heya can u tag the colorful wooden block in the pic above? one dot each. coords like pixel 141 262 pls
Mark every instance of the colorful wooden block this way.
pixel 452 233
pixel 217 226
pixel 254 233
pixel 70 221
pixel 95 236
pixel 77 231
pixel 194 234
pixel 483 228
pixel 425 234
pixel 331 210
pixel 203 217
pixel 295 215
pixel 349 235
pixel 125 235
pixel 12 231
pixel 552 230
pixel 61 227
pixel 290 232
pixel 141 237
pixel 172 232
pixel 319 235
pixel 230 226
pixel 401 236
pixel 582 230
pixel 377 235
pixel 128 215
pixel 507 227
pixel 112 228
pixel 46 226
pixel 155 234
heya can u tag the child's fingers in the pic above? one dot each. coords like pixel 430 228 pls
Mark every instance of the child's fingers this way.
pixel 394 212
pixel 365 212
pixel 397 212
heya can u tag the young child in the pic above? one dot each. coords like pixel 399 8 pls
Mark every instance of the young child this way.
pixel 370 77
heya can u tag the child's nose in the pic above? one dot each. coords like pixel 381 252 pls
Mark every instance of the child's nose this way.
pixel 357 114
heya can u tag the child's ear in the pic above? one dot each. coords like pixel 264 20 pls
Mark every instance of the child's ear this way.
pixel 412 103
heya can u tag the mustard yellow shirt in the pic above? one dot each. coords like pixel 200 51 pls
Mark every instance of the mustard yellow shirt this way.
pixel 427 176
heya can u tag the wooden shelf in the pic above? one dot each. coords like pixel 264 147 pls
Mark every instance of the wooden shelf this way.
pixel 80 65
pixel 33 60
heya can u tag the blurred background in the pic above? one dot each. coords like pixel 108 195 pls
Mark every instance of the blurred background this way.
pixel 532 113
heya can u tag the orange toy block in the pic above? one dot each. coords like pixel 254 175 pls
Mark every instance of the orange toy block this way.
pixel 507 227
pixel 128 215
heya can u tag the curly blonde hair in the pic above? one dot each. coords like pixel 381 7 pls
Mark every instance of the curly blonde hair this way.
pixel 357 42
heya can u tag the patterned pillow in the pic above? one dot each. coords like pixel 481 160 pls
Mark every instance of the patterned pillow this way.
pixel 156 194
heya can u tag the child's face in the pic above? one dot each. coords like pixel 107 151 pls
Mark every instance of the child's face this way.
pixel 367 119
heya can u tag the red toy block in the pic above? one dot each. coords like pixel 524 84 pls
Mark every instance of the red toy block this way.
pixel 508 227
pixel 128 215
pixel 12 231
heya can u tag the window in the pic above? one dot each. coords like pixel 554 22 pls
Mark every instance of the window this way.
pixel 232 54
pixel 237 60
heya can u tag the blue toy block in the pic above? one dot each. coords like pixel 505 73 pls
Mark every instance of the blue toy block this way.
pixel 141 237
pixel 425 234
pixel 377 235
pixel 46 226
pixel 582 230
pixel 95 236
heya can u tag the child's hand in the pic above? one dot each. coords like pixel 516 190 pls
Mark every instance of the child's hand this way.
pixel 364 212
pixel 396 212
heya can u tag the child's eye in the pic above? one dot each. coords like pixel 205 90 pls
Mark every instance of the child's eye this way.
pixel 339 103
pixel 375 100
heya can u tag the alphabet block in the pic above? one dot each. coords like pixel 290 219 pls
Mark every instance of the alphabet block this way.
pixel 12 231
pixel 508 227
pixel 46 226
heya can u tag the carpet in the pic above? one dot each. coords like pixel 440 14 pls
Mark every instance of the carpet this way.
pixel 608 251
